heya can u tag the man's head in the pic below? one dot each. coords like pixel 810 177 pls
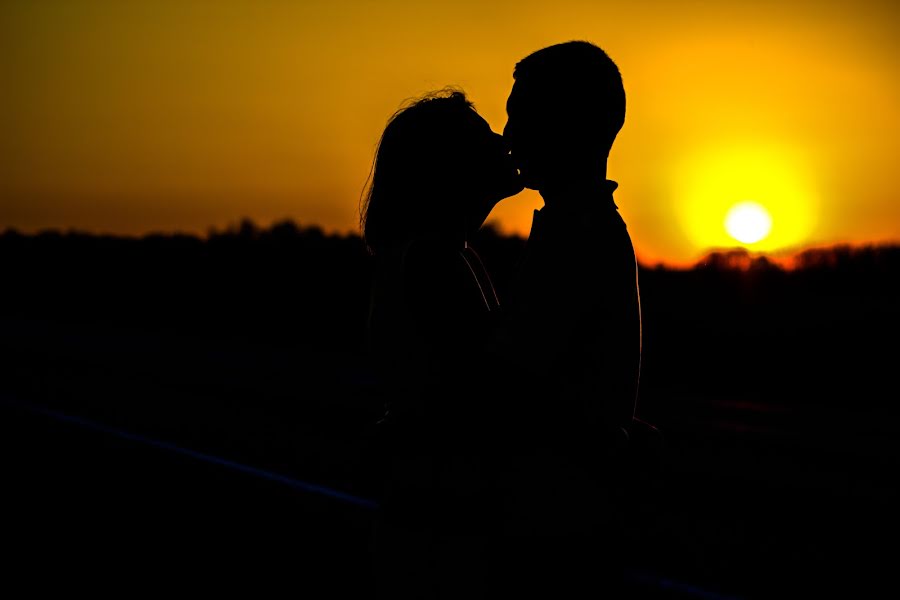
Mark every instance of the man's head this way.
pixel 565 109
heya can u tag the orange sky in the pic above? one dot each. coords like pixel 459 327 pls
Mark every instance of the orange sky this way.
pixel 166 115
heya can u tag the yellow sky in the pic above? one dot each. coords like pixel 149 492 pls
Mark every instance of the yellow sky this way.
pixel 165 115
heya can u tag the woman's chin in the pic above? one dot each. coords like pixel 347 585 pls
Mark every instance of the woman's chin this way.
pixel 513 187
pixel 502 191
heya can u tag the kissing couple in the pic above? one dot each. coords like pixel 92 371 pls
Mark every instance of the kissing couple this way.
pixel 506 417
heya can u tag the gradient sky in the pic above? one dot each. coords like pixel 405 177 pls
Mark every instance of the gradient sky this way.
pixel 158 115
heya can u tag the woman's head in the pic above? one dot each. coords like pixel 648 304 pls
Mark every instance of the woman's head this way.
pixel 439 170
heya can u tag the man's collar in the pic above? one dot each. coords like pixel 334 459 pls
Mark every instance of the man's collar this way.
pixel 599 190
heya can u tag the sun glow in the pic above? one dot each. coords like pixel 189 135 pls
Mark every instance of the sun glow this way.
pixel 714 189
pixel 748 222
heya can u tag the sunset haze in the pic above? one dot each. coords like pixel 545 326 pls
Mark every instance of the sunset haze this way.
pixel 132 117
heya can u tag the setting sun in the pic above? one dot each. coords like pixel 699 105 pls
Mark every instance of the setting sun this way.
pixel 715 191
pixel 748 222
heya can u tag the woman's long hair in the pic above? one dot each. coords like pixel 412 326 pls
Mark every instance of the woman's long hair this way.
pixel 416 170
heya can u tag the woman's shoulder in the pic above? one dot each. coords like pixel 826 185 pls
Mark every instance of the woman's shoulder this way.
pixel 430 249
pixel 436 272
pixel 426 256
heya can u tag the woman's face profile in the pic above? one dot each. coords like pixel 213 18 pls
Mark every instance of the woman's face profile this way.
pixel 488 174
pixel 439 171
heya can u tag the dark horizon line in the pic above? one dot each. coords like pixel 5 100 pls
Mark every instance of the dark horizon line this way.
pixel 739 257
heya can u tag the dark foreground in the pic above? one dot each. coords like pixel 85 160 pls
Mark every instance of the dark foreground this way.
pixel 222 378
pixel 753 501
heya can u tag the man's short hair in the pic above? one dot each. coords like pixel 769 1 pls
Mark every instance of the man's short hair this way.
pixel 581 79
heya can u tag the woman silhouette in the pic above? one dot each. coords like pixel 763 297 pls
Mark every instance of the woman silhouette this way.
pixel 438 172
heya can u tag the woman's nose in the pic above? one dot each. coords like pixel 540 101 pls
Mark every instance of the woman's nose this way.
pixel 509 134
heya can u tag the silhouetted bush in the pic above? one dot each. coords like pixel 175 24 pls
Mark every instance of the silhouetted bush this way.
pixel 734 325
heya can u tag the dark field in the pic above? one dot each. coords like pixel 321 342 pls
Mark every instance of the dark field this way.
pixel 775 392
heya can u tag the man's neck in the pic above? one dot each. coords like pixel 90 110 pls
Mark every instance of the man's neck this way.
pixel 593 186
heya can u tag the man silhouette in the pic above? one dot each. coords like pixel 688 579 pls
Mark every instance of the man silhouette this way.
pixel 576 320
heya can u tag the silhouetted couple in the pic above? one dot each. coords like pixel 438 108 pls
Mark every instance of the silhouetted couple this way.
pixel 505 416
